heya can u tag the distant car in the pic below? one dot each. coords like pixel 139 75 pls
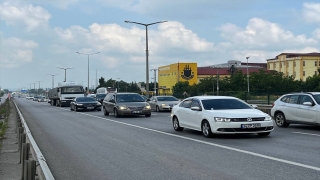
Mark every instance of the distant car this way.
pixel 42 99
pixel 297 108
pixel 163 103
pixel 100 97
pixel 220 115
pixel 35 98
pixel 85 103
pixel 125 104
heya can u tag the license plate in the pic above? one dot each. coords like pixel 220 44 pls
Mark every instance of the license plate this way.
pixel 136 112
pixel 249 126
pixel 89 107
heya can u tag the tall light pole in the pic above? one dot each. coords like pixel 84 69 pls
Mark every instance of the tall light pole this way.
pixel 39 86
pixel 34 87
pixel 118 90
pixel 248 72
pixel 29 89
pixel 65 73
pixel 52 79
pixel 155 81
pixel 88 66
pixel 147 51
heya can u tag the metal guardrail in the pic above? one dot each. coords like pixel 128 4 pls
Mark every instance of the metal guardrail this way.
pixel 39 157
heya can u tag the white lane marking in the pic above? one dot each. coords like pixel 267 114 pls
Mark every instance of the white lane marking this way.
pixel 213 144
pixel 306 133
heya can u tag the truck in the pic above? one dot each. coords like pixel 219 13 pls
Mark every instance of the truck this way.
pixel 106 90
pixel 65 93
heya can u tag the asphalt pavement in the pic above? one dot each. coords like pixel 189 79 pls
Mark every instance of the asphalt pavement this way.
pixel 89 145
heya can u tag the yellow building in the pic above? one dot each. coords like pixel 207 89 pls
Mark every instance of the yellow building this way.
pixel 169 75
pixel 298 65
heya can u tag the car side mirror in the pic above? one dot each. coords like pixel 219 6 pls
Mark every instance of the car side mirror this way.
pixel 308 104
pixel 254 106
pixel 195 108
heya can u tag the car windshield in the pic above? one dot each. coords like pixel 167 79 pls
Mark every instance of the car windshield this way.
pixel 167 98
pixel 100 96
pixel 317 98
pixel 85 99
pixel 224 104
pixel 129 98
pixel 72 90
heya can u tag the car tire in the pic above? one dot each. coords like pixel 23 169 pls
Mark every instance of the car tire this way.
pixel 115 112
pixel 280 120
pixel 206 129
pixel 157 109
pixel 99 109
pixel 76 109
pixel 264 134
pixel 105 112
pixel 71 108
pixel 176 125
pixel 147 115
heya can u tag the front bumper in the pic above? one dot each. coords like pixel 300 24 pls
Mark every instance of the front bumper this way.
pixel 235 127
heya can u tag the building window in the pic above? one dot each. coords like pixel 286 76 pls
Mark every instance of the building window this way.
pixel 280 65
pixel 294 64
pixel 315 63
pixel 287 64
pixel 304 63
pixel 315 73
pixel 294 74
pixel 268 66
pixel 304 73
pixel 275 65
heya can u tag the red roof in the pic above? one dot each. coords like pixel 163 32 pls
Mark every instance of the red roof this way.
pixel 225 71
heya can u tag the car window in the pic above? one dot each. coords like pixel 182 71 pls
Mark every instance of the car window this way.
pixel 129 98
pixel 167 98
pixel 284 99
pixel 186 104
pixel 317 98
pixel 305 98
pixel 112 99
pixel 293 99
pixel 224 104
pixel 195 103
pixel 85 99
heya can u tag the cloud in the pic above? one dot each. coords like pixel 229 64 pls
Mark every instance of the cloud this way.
pixel 316 33
pixel 32 17
pixel 62 4
pixel 311 12
pixel 262 34
pixel 15 52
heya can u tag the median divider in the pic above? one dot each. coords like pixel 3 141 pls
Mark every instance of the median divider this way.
pixel 35 165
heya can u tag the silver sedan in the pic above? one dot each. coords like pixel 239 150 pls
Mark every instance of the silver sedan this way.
pixel 162 103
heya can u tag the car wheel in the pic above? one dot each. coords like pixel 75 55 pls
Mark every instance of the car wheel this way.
pixel 115 112
pixel 206 129
pixel 281 120
pixel 71 108
pixel 105 112
pixel 157 109
pixel 264 134
pixel 99 109
pixel 76 109
pixel 176 125
pixel 147 115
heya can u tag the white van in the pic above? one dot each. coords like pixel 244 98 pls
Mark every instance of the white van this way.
pixel 105 90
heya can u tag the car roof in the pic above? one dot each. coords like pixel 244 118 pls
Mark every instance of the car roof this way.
pixel 300 93
pixel 211 97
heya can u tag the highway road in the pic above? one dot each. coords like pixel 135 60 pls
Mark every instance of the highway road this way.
pixel 89 145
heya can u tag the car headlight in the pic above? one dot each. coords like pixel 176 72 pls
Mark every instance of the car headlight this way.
pixel 122 107
pixel 222 119
pixel 79 104
pixel 163 104
pixel 147 107
pixel 268 118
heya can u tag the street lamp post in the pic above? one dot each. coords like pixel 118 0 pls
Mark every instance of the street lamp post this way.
pixel 118 90
pixel 39 86
pixel 88 66
pixel 248 72
pixel 65 72
pixel 147 51
pixel 52 79
pixel 155 81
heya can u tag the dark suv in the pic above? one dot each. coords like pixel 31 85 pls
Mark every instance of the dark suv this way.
pixel 125 104
pixel 100 97
pixel 297 108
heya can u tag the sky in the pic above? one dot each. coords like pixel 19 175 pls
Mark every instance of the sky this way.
pixel 37 36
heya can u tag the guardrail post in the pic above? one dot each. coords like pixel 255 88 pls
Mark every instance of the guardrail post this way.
pixel 20 131
pixel 268 98
pixel 31 170
pixel 22 140
pixel 19 124
pixel 25 156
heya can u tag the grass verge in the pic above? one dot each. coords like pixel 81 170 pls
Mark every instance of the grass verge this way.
pixel 4 115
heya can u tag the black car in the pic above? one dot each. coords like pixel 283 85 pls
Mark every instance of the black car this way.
pixel 85 103
pixel 100 97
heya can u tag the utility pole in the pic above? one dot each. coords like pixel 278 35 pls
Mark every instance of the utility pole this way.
pixel 248 72
pixel 39 87
pixel 155 81
pixel 52 79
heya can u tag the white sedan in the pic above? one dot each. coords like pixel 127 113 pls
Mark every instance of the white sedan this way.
pixel 220 115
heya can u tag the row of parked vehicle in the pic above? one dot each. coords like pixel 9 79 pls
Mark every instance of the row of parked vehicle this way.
pixel 211 114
